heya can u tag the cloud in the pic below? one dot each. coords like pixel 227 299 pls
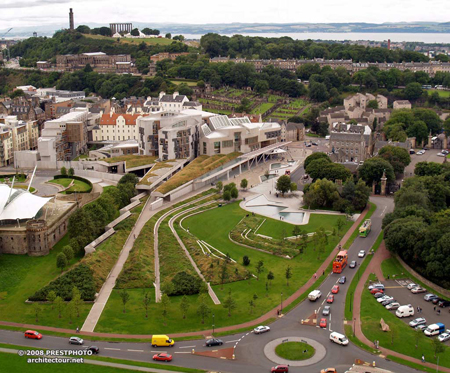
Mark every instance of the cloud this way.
pixel 28 4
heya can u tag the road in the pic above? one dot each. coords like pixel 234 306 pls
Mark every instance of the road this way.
pixel 250 357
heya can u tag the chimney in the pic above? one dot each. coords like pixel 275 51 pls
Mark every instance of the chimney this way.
pixel 389 44
pixel 71 23
pixel 175 94
pixel 161 94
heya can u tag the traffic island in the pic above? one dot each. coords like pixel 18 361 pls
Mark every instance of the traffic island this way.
pixel 291 351
pixel 223 353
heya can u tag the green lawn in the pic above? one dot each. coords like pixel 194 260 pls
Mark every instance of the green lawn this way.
pixel 441 92
pixel 81 156
pixel 189 83
pixel 24 187
pixel 78 185
pixel 18 179
pixel 402 338
pixel 131 161
pixel 261 109
pixel 295 351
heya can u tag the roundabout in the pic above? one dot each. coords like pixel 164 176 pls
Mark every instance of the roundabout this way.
pixel 295 351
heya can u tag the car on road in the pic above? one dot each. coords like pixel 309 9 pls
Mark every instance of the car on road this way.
pixel 441 154
pixel 314 143
pixel 213 342
pixel 75 341
pixel 393 306
pixel 418 321
pixel 376 290
pixel 323 322
pixel 418 289
pixel 429 297
pixel 328 370
pixel 308 145
pixel 389 301
pixel 361 254
pixel 94 349
pixel 162 357
pixel 280 369
pixel 384 298
pixel 444 336
pixel 330 298
pixel 33 334
pixel 326 310
pixel 261 329
pixel 378 286
pixel 421 327
pixel 444 303
pixel 420 152
pixel 411 151
pixel 445 151
pixel 411 285
pixel 353 264
pixel 335 289
pixel 342 280
pixel 379 295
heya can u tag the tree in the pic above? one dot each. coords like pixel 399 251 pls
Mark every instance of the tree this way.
pixel 168 35
pixel 259 267
pixel 318 92
pixel 61 261
pixel 398 157
pixel 37 309
pixel 413 91
pixel 165 301
pixel 229 304
pixel 147 299
pixel 83 29
pixel 270 277
pixel 68 252
pixel 76 300
pixel 203 309
pixel 245 260
pixel 437 347
pixel 51 296
pixel 234 193
pixel 261 87
pixel 227 195
pixel 71 172
pixel 283 184
pixel 63 171
pixel 88 68
pixel 372 104
pixel 340 224
pixel 322 193
pixel 219 186
pixel 296 231
pixel 125 297
pixel 293 187
pixel 134 32
pixel 252 305
pixel 244 183
pixel 223 274
pixel 315 156
pixel 70 311
pixel 373 168
pixel 185 284
pixel 184 305
pixel 129 178
pixel 418 335
pixel 59 305
pixel 288 274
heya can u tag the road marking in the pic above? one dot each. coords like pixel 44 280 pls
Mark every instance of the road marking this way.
pixel 187 346
pixel 115 349
pixel 247 334
pixel 323 301
pixel 136 350
pixel 181 352
pixel 161 352
pixel 236 340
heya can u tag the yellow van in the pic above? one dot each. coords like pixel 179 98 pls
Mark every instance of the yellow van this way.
pixel 162 341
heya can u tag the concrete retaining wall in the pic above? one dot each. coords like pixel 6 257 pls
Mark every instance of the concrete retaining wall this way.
pixel 156 204
pixel 121 218
pixel 129 207
pixel 181 191
pixel 139 196
pixel 91 247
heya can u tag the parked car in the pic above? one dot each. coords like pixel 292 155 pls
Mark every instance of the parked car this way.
pixel 361 254
pixel 420 152
pixel 330 298
pixel 33 334
pixel 376 290
pixel 434 329
pixel 444 303
pixel 353 264
pixel 384 298
pixel 378 286
pixel 436 300
pixel 280 368
pixel 308 145
pixel 162 357
pixel 328 370
pixel 418 290
pixel 444 151
pixel 418 321
pixel 421 327
pixel 75 341
pixel 441 154
pixel 335 289
pixel 261 329
pixel 314 143
pixel 326 310
pixel 411 151
pixel 429 297
pixel 411 285
pixel 323 322
pixel 444 336
pixel 389 301
pixel 342 280
pixel 379 295
pixel 94 349
pixel 213 342
pixel 393 306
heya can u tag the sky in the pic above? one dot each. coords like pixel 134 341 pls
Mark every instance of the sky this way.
pixel 23 13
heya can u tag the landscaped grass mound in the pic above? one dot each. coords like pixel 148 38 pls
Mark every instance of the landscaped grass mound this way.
pixel 80 185
pixel 198 167
pixel 295 351
pixel 133 160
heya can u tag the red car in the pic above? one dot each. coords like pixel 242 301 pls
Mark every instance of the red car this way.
pixel 323 322
pixel 280 369
pixel 32 334
pixel 162 357
pixel 335 289
pixel 330 298
pixel 375 290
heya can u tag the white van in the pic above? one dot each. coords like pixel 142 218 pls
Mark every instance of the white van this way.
pixel 434 329
pixel 314 295
pixel 338 338
pixel 405 311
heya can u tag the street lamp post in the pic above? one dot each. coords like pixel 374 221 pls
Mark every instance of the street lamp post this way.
pixel 213 324
pixel 281 307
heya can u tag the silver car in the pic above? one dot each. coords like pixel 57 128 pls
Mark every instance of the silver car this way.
pixel 393 306
pixel 418 321
pixel 326 310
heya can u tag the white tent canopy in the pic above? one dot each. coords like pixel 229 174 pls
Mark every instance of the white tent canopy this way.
pixel 19 204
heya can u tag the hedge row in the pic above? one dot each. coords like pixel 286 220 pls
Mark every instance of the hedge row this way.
pixel 81 276
pixel 76 178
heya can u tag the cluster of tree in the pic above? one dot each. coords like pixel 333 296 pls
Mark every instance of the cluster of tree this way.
pixel 88 222
pixel 319 166
pixel 418 229
pixel 432 169
pixel 416 123
pixel 230 191
pixel 183 283
pixel 287 48
pixel 149 31
pixel 398 157
pixel 81 276
pixel 373 169
pixel 285 185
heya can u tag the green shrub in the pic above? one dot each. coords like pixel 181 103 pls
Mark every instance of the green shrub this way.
pixel 185 284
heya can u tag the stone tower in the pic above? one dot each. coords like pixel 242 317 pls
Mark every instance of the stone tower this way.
pixel 383 184
pixel 71 23
pixel 37 238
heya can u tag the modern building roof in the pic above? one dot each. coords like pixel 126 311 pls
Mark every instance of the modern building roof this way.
pixel 19 204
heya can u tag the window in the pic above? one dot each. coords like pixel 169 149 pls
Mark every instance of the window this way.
pixel 227 144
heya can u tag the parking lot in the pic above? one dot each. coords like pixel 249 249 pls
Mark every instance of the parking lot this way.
pixel 398 290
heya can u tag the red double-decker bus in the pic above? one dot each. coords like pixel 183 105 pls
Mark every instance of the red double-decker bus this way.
pixel 340 262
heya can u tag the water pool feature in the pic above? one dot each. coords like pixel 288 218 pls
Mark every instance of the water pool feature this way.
pixel 274 166
pixel 265 178
pixel 293 217
pixel 262 206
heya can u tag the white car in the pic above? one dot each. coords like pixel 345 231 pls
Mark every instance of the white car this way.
pixel 411 285
pixel 362 254
pixel 418 289
pixel 75 341
pixel 444 336
pixel 440 155
pixel 418 321
pixel 382 299
pixel 261 329
pixel 393 306
pixel 420 152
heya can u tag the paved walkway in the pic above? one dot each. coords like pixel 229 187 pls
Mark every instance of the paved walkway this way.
pixel 375 267
pixel 260 320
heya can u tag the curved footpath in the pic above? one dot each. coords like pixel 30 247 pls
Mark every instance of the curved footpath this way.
pixel 260 320
pixel 375 267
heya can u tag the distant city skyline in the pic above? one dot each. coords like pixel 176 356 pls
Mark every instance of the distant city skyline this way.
pixel 26 13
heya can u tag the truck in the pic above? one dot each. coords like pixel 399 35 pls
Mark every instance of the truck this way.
pixel 434 329
pixel 340 262
pixel 161 340
pixel 364 229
